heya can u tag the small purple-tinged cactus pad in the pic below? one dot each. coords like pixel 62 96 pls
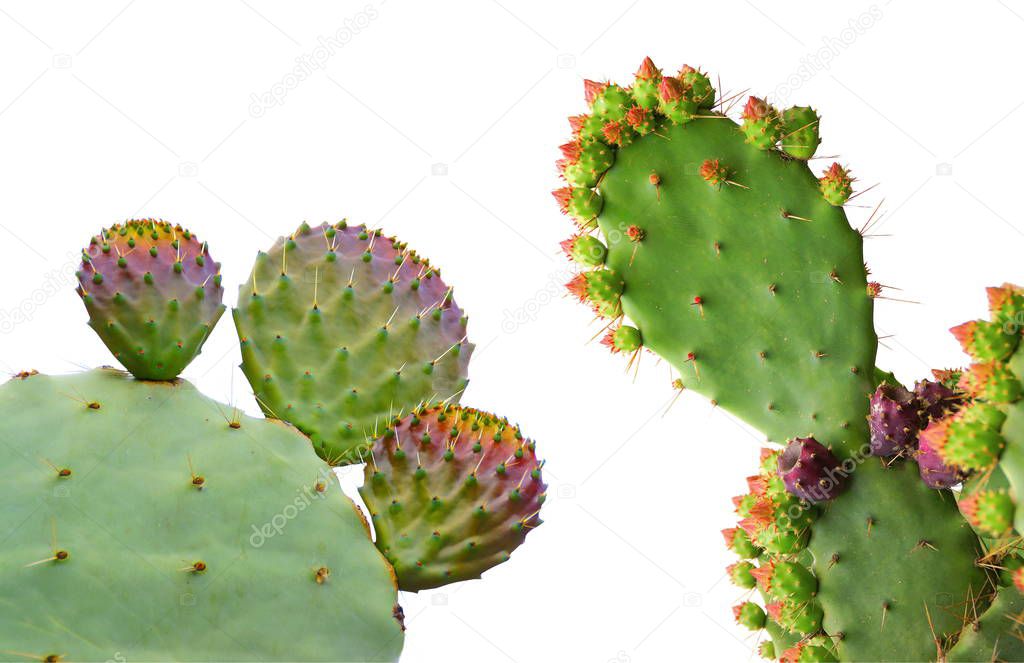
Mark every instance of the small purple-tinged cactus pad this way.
pixel 810 471
pixel 894 420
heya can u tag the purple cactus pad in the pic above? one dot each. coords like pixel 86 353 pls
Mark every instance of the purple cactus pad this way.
pixel 895 420
pixel 810 471
pixel 936 399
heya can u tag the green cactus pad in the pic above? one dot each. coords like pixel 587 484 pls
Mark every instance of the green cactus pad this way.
pixel 778 272
pixel 142 522
pixel 343 329
pixel 896 550
pixel 451 492
pixel 153 294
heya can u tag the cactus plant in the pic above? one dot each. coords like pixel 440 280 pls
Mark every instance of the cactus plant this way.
pixel 724 254
pixel 142 522
pixel 341 329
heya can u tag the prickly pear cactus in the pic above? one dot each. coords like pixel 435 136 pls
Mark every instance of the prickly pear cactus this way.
pixel 342 329
pixel 143 522
pixel 153 294
pixel 451 493
pixel 713 244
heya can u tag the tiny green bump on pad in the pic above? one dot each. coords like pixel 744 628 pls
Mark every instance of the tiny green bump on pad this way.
pixel 135 524
pixel 329 346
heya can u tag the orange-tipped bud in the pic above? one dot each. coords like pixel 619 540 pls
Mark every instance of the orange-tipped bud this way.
pixel 647 70
pixel 756 109
pixel 591 89
pixel 670 89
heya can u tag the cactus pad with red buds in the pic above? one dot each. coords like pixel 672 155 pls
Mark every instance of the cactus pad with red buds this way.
pixel 747 278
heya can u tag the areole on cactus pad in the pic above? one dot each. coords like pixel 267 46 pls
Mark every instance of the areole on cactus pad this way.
pixel 712 244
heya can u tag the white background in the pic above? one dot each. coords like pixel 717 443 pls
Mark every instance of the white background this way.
pixel 440 123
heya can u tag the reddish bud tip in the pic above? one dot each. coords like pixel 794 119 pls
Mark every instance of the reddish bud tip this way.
pixel 1018 579
pixel 647 69
pixel 577 286
pixel 563 196
pixel 756 109
pixel 729 534
pixel 774 610
pixel 874 289
pixel 591 89
pixel 969 507
pixel 635 233
pixel 837 173
pixel 763 575
pixel 608 340
pixel 567 245
pixel 757 484
pixel 576 123
pixel 571 151
pixel 670 89
pixel 964 333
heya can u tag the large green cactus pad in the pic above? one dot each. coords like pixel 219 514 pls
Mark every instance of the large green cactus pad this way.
pixel 782 335
pixel 143 522
pixel 895 565
pixel 343 329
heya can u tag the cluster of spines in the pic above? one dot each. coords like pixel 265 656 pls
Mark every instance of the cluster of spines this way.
pixel 619 116
pixel 772 535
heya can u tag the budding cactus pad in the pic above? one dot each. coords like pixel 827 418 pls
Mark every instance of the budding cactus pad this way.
pixel 153 295
pixel 343 329
pixel 143 521
pixel 452 492
pixel 727 257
